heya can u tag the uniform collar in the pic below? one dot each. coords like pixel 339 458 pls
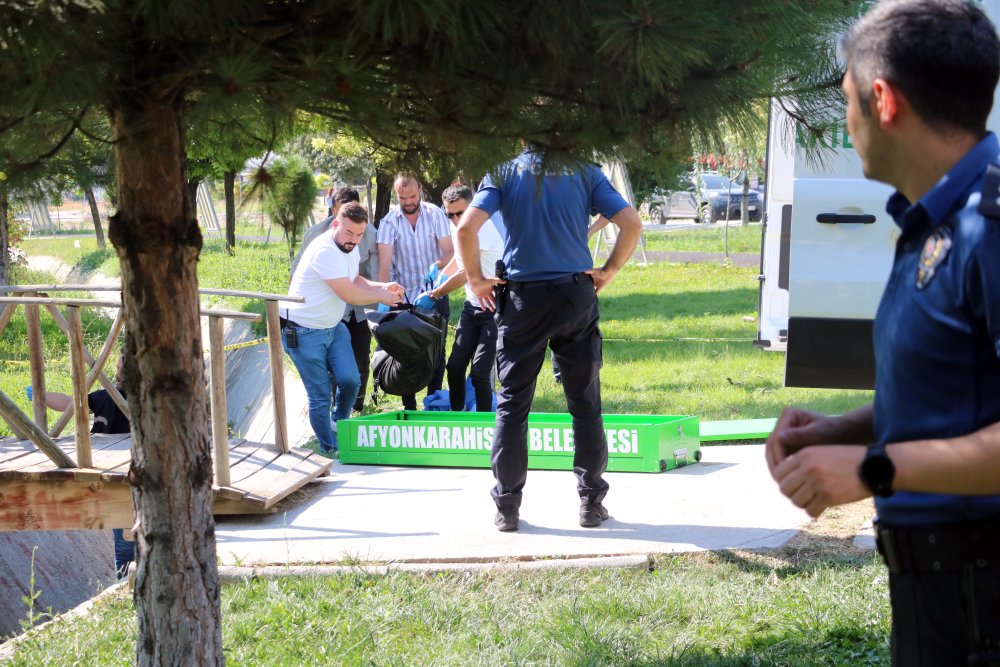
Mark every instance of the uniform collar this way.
pixel 942 200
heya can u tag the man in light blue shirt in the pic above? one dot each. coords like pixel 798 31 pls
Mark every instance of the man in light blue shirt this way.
pixel 414 244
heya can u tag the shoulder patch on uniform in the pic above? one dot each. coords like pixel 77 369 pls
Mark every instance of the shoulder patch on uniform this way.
pixel 935 251
pixel 989 201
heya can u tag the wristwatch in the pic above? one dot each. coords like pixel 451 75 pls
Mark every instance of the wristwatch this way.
pixel 877 471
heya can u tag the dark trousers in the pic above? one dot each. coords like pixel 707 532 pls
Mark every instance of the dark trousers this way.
pixel 361 344
pixel 944 585
pixel 437 380
pixel 476 341
pixel 563 315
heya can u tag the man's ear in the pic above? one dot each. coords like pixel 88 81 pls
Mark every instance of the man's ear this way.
pixel 885 102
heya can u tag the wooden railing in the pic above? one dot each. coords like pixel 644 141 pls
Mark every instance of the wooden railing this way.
pixel 86 369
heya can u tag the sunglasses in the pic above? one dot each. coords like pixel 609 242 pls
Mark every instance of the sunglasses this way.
pixel 456 214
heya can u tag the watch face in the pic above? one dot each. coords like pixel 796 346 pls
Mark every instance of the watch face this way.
pixel 877 472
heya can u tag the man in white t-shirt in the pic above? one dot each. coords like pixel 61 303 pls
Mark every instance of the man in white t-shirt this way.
pixel 476 336
pixel 315 336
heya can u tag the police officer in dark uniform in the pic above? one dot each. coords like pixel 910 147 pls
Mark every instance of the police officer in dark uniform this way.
pixel 549 299
pixel 919 86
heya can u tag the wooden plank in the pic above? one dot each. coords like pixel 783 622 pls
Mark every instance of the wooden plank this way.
pixel 106 382
pixel 35 301
pixel 261 458
pixel 252 295
pixel 220 430
pixel 274 352
pixel 78 373
pixel 111 461
pixel 227 507
pixel 36 361
pixel 11 450
pixel 228 493
pixel 6 314
pixel 65 505
pixel 240 453
pixel 21 289
pixel 285 475
pixel 231 315
pixel 98 365
pixel 12 414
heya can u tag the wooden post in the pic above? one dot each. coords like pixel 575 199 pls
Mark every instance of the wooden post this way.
pixel 19 421
pixel 6 314
pixel 102 358
pixel 36 359
pixel 220 431
pixel 277 376
pixel 106 382
pixel 79 375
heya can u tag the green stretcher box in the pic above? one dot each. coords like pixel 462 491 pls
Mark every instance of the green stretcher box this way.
pixel 636 443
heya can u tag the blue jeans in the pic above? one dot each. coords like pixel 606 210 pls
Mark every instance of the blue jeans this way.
pixel 325 362
pixel 124 552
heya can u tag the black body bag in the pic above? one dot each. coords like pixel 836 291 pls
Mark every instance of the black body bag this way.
pixel 409 344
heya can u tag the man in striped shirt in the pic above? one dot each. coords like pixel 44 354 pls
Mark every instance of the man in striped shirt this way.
pixel 414 244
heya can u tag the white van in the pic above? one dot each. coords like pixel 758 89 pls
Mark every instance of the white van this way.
pixel 826 253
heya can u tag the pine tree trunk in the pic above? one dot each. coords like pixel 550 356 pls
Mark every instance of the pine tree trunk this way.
pixel 156 235
pixel 96 216
pixel 4 238
pixel 383 195
pixel 745 202
pixel 229 182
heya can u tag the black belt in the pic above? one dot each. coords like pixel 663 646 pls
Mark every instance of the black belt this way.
pixel 561 280
pixel 287 323
pixel 936 549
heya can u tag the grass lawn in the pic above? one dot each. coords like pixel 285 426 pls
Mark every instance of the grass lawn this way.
pixel 677 340
pixel 709 609
pixel 742 238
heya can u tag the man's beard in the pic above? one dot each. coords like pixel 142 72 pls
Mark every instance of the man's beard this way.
pixel 345 248
pixel 410 209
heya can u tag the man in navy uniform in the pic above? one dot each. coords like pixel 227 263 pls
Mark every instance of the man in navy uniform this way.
pixel 548 299
pixel 919 87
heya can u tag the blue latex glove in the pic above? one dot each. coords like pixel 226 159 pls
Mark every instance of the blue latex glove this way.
pixel 384 308
pixel 425 301
pixel 441 279
pixel 27 390
pixel 432 273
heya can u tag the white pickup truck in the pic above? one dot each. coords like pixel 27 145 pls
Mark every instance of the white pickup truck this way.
pixel 826 253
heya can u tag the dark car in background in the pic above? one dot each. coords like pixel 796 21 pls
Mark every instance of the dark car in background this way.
pixel 717 198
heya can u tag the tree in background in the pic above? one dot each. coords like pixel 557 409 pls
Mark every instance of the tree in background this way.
pixel 88 162
pixel 288 192
pixel 465 78
pixel 221 143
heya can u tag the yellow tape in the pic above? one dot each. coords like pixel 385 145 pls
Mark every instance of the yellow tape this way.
pixel 249 343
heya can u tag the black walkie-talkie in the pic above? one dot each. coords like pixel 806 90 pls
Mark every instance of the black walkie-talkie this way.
pixel 500 291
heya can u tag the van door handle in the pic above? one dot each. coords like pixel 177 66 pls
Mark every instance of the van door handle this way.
pixel 846 218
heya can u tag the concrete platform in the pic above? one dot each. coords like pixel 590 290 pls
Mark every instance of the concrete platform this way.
pixel 385 515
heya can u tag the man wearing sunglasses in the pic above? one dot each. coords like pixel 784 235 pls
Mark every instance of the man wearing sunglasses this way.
pixel 476 336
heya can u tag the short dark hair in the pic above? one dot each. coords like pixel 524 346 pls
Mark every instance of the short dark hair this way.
pixel 344 195
pixel 453 193
pixel 353 211
pixel 944 55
